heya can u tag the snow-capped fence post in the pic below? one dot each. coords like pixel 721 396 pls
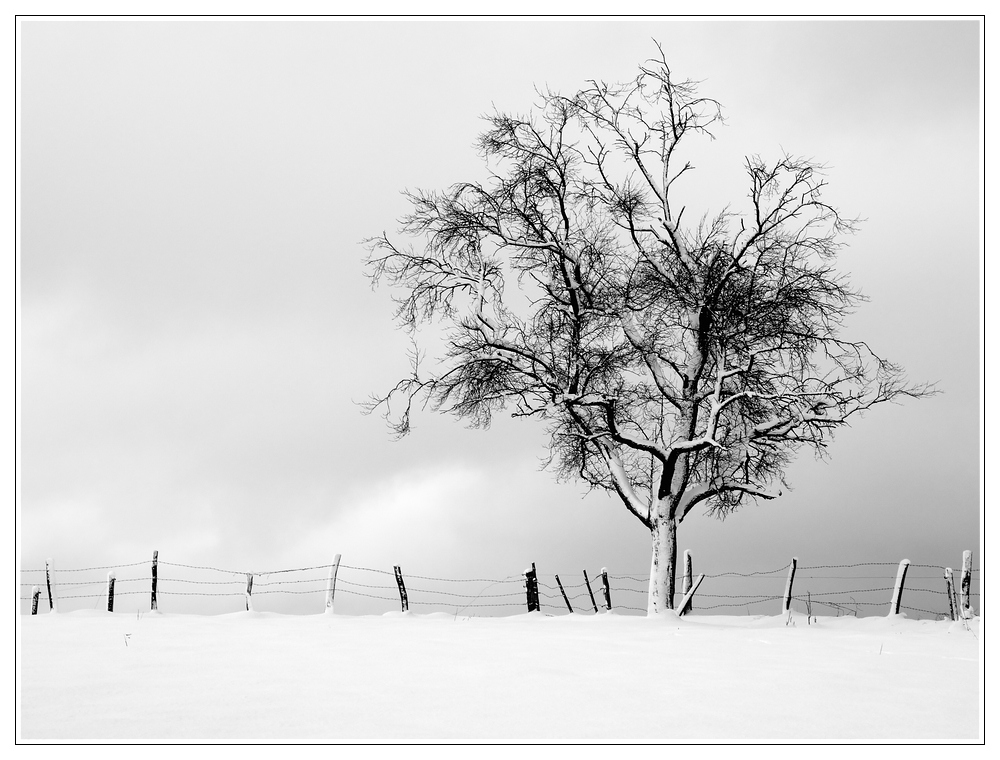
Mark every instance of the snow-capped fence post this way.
pixel 949 584
pixel 685 604
pixel 966 585
pixel 688 576
pixel 897 591
pixel 152 591
pixel 404 603
pixel 531 589
pixel 590 590
pixel 786 602
pixel 331 583
pixel 249 592
pixel 111 590
pixel 563 592
pixel 607 588
pixel 48 585
pixel 35 593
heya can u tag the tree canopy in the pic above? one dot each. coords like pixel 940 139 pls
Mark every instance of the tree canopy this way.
pixel 678 363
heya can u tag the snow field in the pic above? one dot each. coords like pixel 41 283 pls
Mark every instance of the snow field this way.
pixel 263 677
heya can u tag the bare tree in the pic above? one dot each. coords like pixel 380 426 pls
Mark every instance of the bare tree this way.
pixel 677 366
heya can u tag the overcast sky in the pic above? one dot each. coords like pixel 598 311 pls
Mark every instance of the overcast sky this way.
pixel 196 327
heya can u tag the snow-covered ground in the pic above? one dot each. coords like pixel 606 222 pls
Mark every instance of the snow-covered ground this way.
pixel 88 676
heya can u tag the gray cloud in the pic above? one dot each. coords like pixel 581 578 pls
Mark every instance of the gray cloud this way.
pixel 196 326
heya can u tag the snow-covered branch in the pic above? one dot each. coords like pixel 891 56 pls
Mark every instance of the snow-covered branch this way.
pixel 701 492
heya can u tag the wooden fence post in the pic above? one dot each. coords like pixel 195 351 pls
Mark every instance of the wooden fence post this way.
pixel 35 593
pixel 531 589
pixel 589 590
pixel 249 592
pixel 152 592
pixel 402 589
pixel 786 602
pixel 686 601
pixel 111 590
pixel 565 598
pixel 331 583
pixel 48 585
pixel 688 576
pixel 949 584
pixel 607 587
pixel 966 585
pixel 897 592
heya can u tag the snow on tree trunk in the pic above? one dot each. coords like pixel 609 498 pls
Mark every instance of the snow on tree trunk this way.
pixel 662 565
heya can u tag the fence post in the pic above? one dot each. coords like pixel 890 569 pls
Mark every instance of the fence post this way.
pixel 607 587
pixel 35 593
pixel 531 589
pixel 402 589
pixel 966 587
pixel 786 602
pixel 563 592
pixel 686 601
pixel 111 590
pixel 152 592
pixel 949 584
pixel 688 575
pixel 331 583
pixel 48 585
pixel 897 592
pixel 249 592
pixel 589 590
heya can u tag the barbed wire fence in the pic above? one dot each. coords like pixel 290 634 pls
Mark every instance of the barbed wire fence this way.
pixel 869 586
pixel 858 589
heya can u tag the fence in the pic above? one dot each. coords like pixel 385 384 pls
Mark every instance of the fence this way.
pixel 859 589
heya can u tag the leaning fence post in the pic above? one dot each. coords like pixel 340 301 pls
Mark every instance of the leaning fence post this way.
pixel 607 587
pixel 949 583
pixel 35 593
pixel 589 590
pixel 531 589
pixel 331 583
pixel 111 590
pixel 152 592
pixel 688 575
pixel 897 592
pixel 686 601
pixel 249 592
pixel 48 585
pixel 966 585
pixel 563 592
pixel 402 589
pixel 786 602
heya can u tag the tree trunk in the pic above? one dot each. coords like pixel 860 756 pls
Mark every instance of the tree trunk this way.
pixel 662 566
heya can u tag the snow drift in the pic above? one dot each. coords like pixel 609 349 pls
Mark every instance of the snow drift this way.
pixel 263 677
